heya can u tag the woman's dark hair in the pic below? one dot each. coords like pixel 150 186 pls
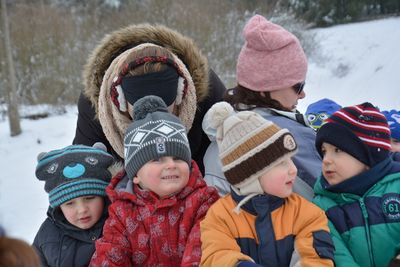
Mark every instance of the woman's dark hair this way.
pixel 242 95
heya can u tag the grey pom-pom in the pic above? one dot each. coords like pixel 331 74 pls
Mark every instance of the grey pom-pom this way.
pixel 218 113
pixel 41 155
pixel 146 105
pixel 100 145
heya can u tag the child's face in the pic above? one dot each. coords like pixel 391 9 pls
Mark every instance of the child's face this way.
pixel 83 212
pixel 338 166
pixel 164 176
pixel 395 145
pixel 279 180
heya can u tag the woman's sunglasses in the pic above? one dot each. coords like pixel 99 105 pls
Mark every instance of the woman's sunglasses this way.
pixel 298 87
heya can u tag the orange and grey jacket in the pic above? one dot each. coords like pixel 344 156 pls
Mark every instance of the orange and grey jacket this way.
pixel 267 231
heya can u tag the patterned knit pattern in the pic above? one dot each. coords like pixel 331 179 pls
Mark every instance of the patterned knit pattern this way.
pixel 154 133
pixel 361 130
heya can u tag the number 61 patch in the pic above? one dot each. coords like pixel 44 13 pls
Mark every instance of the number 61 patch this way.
pixel 391 206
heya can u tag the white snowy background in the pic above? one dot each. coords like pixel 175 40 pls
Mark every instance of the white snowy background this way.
pixel 359 62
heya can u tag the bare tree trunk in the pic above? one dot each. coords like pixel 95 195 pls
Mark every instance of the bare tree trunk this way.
pixel 13 116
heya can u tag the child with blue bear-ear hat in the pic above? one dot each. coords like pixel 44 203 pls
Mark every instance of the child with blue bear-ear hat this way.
pixel 319 111
pixel 75 178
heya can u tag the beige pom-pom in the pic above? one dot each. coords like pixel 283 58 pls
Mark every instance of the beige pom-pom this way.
pixel 219 112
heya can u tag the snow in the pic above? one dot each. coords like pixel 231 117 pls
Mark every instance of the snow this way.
pixel 360 63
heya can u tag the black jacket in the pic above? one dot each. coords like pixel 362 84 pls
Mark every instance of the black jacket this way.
pixel 60 244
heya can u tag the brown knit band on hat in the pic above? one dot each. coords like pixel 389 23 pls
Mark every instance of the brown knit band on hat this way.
pixel 250 144
pixel 271 152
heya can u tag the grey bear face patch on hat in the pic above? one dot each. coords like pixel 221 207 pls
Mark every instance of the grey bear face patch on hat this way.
pixel 74 171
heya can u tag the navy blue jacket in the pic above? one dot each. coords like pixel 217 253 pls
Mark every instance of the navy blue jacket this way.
pixel 60 244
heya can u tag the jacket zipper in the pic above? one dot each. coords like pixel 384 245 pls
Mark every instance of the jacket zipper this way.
pixel 365 215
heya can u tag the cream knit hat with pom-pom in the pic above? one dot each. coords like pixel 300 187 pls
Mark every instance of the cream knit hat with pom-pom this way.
pixel 249 145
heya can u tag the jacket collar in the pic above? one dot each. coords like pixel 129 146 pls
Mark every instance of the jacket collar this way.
pixel 260 204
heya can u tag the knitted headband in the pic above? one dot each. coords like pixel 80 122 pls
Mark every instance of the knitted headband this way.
pixel 361 131
pixel 271 58
pixel 154 133
pixel 74 171
pixel 249 145
pixel 112 102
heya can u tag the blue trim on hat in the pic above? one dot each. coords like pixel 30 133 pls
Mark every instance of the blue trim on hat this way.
pixel 69 150
pixel 68 196
pixel 64 186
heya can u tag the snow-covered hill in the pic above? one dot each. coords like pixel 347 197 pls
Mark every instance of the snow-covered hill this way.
pixel 361 62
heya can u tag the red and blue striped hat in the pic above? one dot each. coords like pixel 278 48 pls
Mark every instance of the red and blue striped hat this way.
pixel 361 131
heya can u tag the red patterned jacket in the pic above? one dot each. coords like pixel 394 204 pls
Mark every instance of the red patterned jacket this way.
pixel 143 230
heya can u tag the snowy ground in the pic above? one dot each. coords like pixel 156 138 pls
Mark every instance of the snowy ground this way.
pixel 361 63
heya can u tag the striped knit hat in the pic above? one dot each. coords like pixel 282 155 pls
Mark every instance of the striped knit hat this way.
pixel 74 171
pixel 361 131
pixel 248 145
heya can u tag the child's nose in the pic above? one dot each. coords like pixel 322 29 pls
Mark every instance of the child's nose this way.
pixel 326 159
pixel 292 169
pixel 170 163
pixel 82 208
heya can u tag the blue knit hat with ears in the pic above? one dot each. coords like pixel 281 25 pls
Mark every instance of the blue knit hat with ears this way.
pixel 74 171
pixel 319 111
pixel 393 118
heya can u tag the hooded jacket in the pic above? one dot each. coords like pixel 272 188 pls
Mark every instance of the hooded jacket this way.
pixel 144 230
pixel 365 228
pixel 208 87
pixel 267 231
pixel 60 244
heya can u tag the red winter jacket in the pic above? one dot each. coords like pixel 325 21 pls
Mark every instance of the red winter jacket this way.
pixel 143 230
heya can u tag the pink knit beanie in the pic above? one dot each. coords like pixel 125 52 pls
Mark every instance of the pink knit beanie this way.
pixel 271 58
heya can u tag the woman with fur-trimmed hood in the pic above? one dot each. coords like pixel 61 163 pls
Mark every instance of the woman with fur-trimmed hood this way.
pixel 141 60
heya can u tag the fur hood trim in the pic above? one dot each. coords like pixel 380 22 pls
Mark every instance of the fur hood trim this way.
pixel 120 40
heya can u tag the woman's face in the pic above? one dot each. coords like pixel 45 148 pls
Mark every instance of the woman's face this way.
pixel 288 97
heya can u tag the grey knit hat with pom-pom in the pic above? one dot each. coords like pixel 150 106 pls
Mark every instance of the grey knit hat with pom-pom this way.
pixel 154 133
